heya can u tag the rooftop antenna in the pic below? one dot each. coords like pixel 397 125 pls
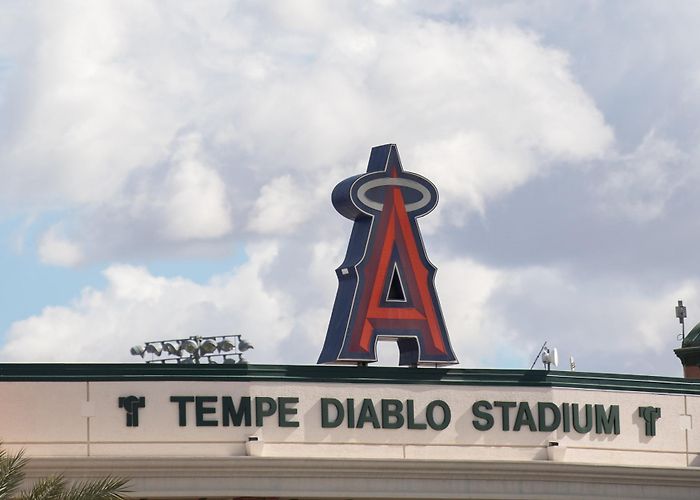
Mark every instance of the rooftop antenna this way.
pixel 538 354
pixel 572 363
pixel 681 315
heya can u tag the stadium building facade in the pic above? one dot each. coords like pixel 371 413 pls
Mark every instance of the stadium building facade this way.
pixel 206 431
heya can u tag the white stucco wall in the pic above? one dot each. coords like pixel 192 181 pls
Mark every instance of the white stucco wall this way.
pixel 81 419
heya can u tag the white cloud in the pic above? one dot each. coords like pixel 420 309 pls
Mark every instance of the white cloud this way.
pixel 608 324
pixel 163 128
pixel 640 184
pixel 55 249
pixel 82 120
pixel 280 208
pixel 519 109
pixel 496 318
pixel 126 108
pixel 136 306
pixel 465 288
pixel 193 200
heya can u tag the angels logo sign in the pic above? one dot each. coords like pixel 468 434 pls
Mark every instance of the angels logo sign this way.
pixel 385 285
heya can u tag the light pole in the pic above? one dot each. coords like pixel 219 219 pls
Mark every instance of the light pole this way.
pixel 681 314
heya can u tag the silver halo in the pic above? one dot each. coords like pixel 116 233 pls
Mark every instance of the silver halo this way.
pixel 392 181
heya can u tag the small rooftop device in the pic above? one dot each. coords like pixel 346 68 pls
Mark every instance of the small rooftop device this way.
pixel 681 314
pixel 550 357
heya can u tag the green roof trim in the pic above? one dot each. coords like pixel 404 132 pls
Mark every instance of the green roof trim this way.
pixel 692 338
pixel 127 372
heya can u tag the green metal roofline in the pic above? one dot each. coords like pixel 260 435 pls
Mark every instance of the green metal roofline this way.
pixel 128 372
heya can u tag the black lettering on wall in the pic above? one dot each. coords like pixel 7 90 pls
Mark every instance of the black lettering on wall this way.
pixel 182 407
pixel 237 416
pixel 486 419
pixel 131 405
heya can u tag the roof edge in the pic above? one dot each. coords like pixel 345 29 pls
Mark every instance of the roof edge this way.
pixel 125 372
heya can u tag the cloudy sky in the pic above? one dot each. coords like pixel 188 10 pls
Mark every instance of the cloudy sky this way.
pixel 166 170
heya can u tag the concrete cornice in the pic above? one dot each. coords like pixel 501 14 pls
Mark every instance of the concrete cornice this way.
pixel 154 477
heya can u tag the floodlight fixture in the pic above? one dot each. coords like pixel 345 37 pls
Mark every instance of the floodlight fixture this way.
pixel 225 346
pixel 244 345
pixel 170 349
pixel 188 345
pixel 216 350
pixel 207 347
pixel 138 350
pixel 154 349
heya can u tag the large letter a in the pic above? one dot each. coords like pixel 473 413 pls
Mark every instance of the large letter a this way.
pixel 385 284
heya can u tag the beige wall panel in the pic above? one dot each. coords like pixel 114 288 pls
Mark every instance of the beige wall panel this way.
pixel 41 412
pixel 693 404
pixel 670 435
pixel 46 413
pixel 48 449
